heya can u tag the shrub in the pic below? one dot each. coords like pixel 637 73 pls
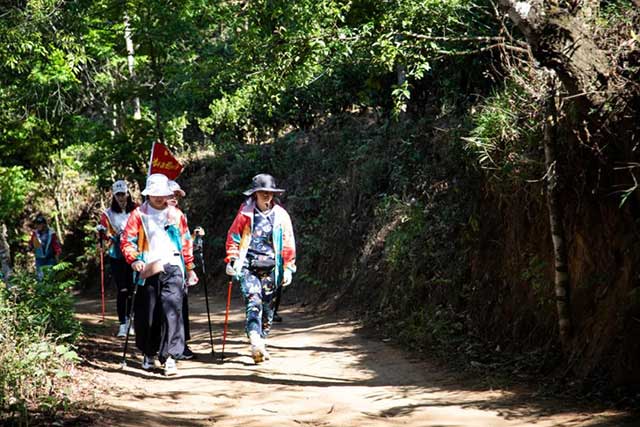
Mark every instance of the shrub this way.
pixel 37 331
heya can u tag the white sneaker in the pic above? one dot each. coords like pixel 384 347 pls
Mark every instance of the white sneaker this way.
pixel 265 353
pixel 148 362
pixel 132 331
pixel 170 367
pixel 257 347
pixel 122 331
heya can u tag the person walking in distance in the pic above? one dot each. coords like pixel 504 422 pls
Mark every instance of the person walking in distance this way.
pixel 112 223
pixel 157 243
pixel 45 245
pixel 261 255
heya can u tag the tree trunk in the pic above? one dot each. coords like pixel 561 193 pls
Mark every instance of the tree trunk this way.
pixel 131 63
pixel 560 40
pixel 5 254
pixel 401 77
pixel 562 285
pixel 157 81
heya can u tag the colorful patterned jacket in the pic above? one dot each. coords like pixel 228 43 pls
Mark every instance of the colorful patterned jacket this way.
pixel 239 238
pixel 134 242
pixel 112 235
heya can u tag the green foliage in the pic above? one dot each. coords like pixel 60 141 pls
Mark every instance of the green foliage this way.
pixel 292 62
pixel 15 184
pixel 437 327
pixel 615 12
pixel 399 251
pixel 535 277
pixel 37 331
pixel 505 137
pixel 46 306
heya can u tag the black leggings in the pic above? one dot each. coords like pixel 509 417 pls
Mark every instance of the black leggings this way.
pixel 123 277
pixel 185 317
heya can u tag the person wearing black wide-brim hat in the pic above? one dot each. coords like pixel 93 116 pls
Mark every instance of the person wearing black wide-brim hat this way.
pixel 261 256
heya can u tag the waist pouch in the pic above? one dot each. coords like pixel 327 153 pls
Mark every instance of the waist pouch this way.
pixel 262 264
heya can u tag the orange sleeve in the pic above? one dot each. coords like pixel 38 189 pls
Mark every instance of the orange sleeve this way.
pixel 234 236
pixel 187 243
pixel 132 239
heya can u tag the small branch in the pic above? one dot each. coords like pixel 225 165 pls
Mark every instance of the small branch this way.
pixel 444 53
pixel 498 39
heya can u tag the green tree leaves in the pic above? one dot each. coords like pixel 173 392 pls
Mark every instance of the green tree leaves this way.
pixel 15 184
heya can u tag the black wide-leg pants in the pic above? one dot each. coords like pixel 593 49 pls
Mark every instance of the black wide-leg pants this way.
pixel 158 320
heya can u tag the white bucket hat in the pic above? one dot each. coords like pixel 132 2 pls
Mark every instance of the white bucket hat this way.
pixel 119 187
pixel 175 187
pixel 157 185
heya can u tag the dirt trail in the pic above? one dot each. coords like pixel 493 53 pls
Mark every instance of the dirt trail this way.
pixel 322 373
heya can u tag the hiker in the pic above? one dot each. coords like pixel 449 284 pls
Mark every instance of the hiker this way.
pixel 157 243
pixel 261 256
pixel 187 354
pixel 112 223
pixel 45 245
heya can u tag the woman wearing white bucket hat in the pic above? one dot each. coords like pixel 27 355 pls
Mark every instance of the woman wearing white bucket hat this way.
pixel 157 243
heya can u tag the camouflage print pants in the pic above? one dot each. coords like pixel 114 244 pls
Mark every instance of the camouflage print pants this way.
pixel 258 288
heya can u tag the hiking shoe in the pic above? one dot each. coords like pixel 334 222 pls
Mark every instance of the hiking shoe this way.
pixel 148 362
pixel 122 330
pixel 265 353
pixel 187 354
pixel 257 347
pixel 170 367
pixel 277 318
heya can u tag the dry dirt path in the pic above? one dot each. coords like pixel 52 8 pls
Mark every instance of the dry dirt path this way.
pixel 322 373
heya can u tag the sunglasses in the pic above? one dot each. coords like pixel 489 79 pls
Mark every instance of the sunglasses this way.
pixel 120 194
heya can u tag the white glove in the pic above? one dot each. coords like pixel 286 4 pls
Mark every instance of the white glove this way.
pixel 286 278
pixel 138 266
pixel 230 270
pixel 192 278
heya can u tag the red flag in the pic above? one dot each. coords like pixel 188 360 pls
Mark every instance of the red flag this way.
pixel 162 161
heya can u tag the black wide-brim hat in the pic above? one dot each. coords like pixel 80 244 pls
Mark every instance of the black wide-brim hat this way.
pixel 263 182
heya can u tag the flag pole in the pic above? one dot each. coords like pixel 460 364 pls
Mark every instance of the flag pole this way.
pixel 153 146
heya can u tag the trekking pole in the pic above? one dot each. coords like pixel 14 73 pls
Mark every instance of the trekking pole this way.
pixel 226 319
pixel 198 249
pixel 101 271
pixel 130 318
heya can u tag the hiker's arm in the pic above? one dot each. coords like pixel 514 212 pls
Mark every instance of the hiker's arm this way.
pixel 132 240
pixel 288 245
pixel 234 237
pixel 187 244
pixel 55 245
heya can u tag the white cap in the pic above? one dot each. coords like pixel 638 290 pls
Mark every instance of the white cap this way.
pixel 119 187
pixel 157 185
pixel 175 187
